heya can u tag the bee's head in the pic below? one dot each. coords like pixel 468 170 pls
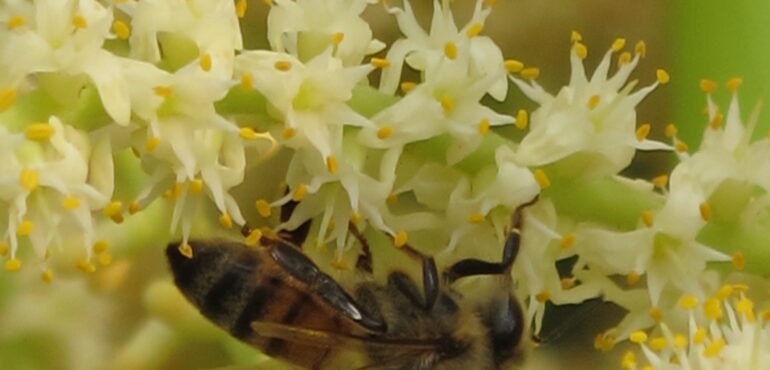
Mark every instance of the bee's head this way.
pixel 505 323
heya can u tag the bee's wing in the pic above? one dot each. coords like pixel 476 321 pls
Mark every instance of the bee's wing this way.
pixel 324 338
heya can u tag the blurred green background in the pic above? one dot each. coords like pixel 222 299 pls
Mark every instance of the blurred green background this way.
pixel 129 316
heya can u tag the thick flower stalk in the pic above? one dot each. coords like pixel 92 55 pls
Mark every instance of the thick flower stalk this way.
pixel 421 161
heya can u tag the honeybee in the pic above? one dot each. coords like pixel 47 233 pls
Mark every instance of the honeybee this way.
pixel 275 298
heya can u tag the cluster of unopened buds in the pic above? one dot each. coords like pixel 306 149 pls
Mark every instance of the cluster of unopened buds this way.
pixel 83 82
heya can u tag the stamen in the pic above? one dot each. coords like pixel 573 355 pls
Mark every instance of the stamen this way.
pixel 163 91
pixel 641 49
pixel 581 50
pixel 400 239
pixel 705 211
pixel 475 29
pixel 254 237
pixel 660 181
pixel 196 186
pixel 530 73
pixel 746 307
pixel 708 86
pixel 47 276
pixel 339 264
pixel 618 44
pixel 567 240
pixel 680 146
pixel 331 164
pixel 240 8
pixel 629 361
pixel 624 58
pixel 39 132
pixel 575 36
pixel 28 179
pixel 656 314
pixel 86 266
pixel 739 261
pixel 384 132
pixel 263 208
pixel 4 249
pixel 299 192
pixel 380 62
pixel 658 343
pixel 247 82
pixel 113 211
pixel 593 101
pixel 688 302
pixel 476 218
pixel 25 228
pixel 638 337
pixel 7 98
pixel 522 119
pixel 104 259
pixel 205 62
pixel 13 265
pixel 392 198
pixel 450 50
pixel 133 208
pixel 447 104
pixel 282 65
pixel 604 343
pixel 699 336
pixel 186 250
pixel 337 38
pixel 225 220
pixel 724 292
pixel 79 22
pixel 288 133
pixel 647 218
pixel 355 218
pixel 567 283
pixel 484 126
pixel 248 133
pixel 542 179
pixel 16 21
pixel 670 130
pixel 70 202
pixel 407 86
pixel 121 30
pixel 734 83
pixel 100 246
pixel 680 341
pixel 716 122
pixel 152 143
pixel 662 76
pixel 632 278
pixel 712 309
pixel 714 348
pixel 543 296
pixel 513 66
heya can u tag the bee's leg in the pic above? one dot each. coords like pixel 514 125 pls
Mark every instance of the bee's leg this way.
pixel 472 266
pixel 430 279
pixel 298 235
pixel 364 262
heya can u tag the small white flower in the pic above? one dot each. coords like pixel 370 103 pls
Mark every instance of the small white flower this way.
pixel 590 120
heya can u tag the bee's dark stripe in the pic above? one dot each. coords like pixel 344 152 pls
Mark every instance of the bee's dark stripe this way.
pixel 260 299
pixel 227 288
pixel 275 346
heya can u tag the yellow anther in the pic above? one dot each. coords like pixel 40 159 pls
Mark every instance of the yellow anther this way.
pixel 86 266
pixel 450 50
pixel 641 49
pixel 638 337
pixel 13 265
pixel 624 58
pixel 717 121
pixel 530 73
pixel 734 83
pixel 100 246
pixel 175 191
pixel 581 50
pixel 205 62
pixel 490 3
pixel 299 192
pixel 163 91
pixel 254 237
pixel 4 249
pixel 476 218
pixel 28 179
pixel 662 76
pixel 337 38
pixel 647 218
pixel 688 302
pixel 680 146
pixel 766 315
pixel 658 343
pixel 699 336
pixel 195 186
pixel 380 62
pixel 288 133
pixel 603 342
pixel 629 361
pixel 513 66
pixel 263 208
pixel 670 130
pixel 575 36
pixel 186 250
pixel 632 278
pixel 712 309
pixel 656 314
pixel 401 239
pixel 567 240
pixel 567 283
pixel 339 264
pixel 39 132
pixel 225 220
pixel 660 181
pixel 79 22
pixel 104 259
pixel 70 202
pixel 484 126
pixel 247 82
pixel 133 208
pixel 739 261
pixel 113 209
pixel 152 143
pixel 542 179
pixel 618 44
pixel 447 104
pixel 543 296
pixel 474 30
pixel 593 101
pixel 240 8
pixel 522 119
pixel 121 29
pixel 355 218
pixel 724 292
pixel 680 341
pixel 47 276
pixel 705 211
pixel 714 348
pixel 746 307
pixel 407 86
pixel 708 86
pixel 25 228
pixel 7 98
pixel 16 21
pixel 282 65
pixel 392 198
pixel 331 164
pixel 248 133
